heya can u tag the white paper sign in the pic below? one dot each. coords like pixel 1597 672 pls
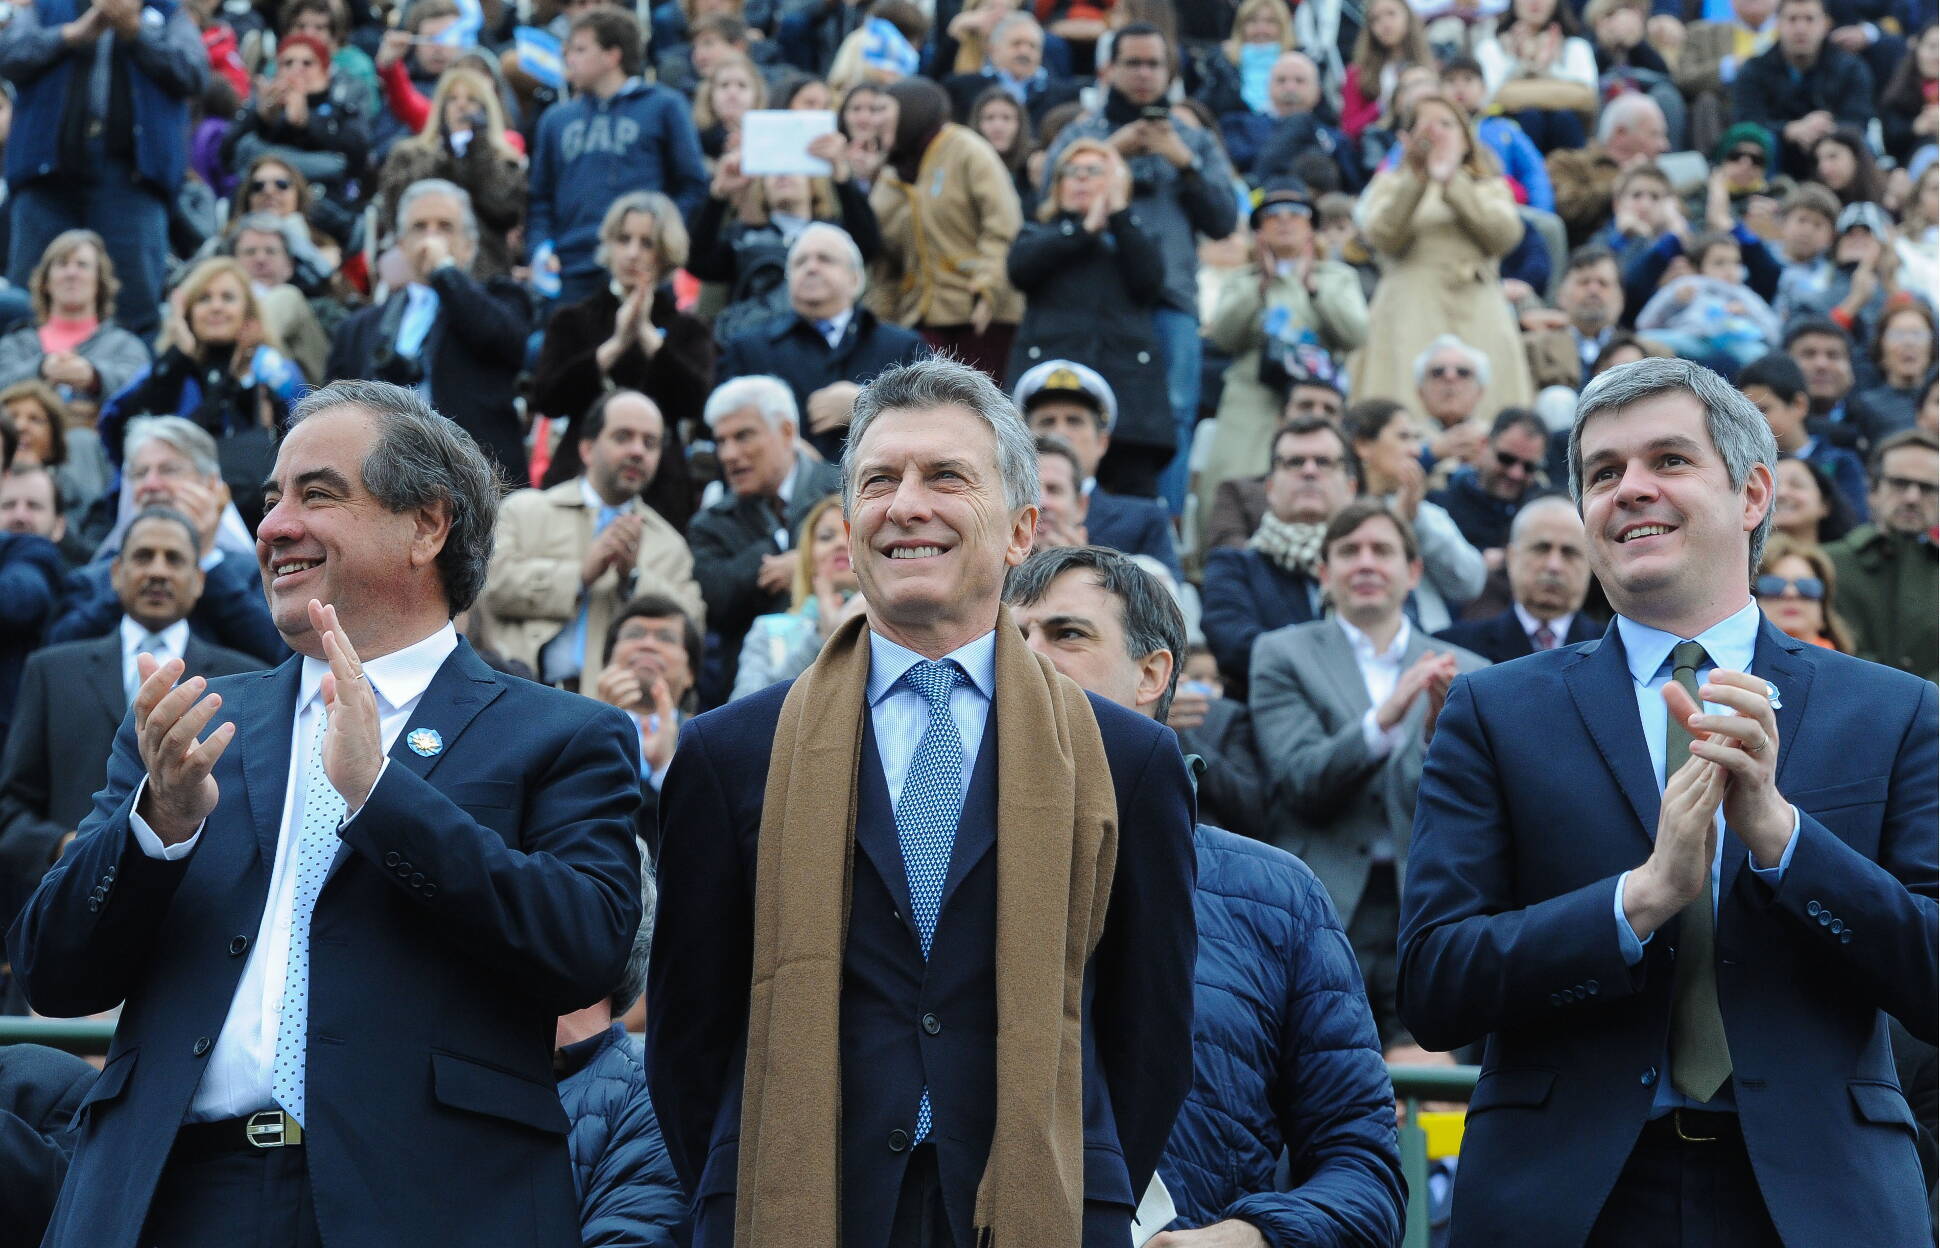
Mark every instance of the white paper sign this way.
pixel 776 141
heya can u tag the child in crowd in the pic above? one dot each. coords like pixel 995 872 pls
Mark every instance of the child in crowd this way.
pixel 1711 314
pixel 1642 210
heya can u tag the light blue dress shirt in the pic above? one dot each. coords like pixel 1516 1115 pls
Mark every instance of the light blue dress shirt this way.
pixel 1728 644
pixel 899 714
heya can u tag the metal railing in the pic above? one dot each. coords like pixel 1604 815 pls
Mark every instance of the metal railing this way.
pixel 89 1037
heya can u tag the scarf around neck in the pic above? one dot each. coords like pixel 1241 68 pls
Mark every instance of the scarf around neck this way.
pixel 1294 547
pixel 1057 849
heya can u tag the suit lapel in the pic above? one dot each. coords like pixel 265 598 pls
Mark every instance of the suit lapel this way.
pixel 463 687
pixel 1605 696
pixel 1343 669
pixel 263 732
pixel 977 823
pixel 105 677
pixel 875 824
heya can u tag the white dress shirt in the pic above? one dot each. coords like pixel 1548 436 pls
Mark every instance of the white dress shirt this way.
pixel 838 325
pixel 1728 644
pixel 1380 672
pixel 899 714
pixel 1559 626
pixel 236 1080
pixel 174 645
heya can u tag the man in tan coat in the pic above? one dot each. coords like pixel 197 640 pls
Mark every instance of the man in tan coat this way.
pixel 569 557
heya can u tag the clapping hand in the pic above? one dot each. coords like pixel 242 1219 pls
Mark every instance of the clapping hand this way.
pixel 353 740
pixel 1744 744
pixel 180 790
pixel 617 546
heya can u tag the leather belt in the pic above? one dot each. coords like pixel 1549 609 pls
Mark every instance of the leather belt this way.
pixel 260 1132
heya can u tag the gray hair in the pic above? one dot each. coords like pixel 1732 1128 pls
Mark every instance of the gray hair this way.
pixel 1146 609
pixel 939 381
pixel 1624 111
pixel 189 439
pixel 815 229
pixel 421 458
pixel 1015 17
pixel 768 395
pixel 1738 429
pixel 260 223
pixel 1526 514
pixel 438 186
pixel 1449 342
pixel 167 515
pixel 633 981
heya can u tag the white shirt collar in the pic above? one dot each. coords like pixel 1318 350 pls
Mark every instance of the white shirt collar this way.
pixel 838 324
pixel 787 491
pixel 1091 483
pixel 398 677
pixel 1729 643
pixel 888 661
pixel 591 497
pixel 175 638
pixel 1363 645
pixel 1560 625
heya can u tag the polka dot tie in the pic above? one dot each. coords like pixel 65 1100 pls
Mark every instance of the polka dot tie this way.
pixel 316 846
pixel 926 813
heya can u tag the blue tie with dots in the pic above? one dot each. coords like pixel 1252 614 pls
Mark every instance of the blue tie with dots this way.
pixel 927 811
pixel 316 847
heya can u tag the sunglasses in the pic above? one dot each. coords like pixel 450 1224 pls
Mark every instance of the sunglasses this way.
pixel 1530 466
pixel 269 184
pixel 1751 154
pixel 1442 372
pixel 1810 588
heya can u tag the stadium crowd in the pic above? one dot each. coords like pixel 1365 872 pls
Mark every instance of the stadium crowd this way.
pixel 1296 298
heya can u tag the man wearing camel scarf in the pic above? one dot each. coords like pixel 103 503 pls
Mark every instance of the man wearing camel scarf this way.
pixel 922 974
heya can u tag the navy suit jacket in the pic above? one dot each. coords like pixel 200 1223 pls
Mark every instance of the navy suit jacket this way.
pixel 1133 526
pixel 1536 794
pixel 1500 638
pixel 478 894
pixel 1137 993
pixel 790 348
pixel 1247 594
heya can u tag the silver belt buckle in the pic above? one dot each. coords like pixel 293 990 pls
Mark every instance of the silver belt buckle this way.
pixel 272 1128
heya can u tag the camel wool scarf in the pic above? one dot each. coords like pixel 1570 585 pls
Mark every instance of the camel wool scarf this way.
pixel 1057 847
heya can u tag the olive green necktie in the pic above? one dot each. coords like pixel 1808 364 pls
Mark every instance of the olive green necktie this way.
pixel 1700 1057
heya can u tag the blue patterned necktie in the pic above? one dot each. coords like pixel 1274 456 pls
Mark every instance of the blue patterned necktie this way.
pixel 316 847
pixel 927 811
pixel 151 643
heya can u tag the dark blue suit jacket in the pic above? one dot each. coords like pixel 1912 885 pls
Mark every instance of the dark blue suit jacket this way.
pixel 1247 594
pixel 1536 794
pixel 1133 526
pixel 1137 998
pixel 790 348
pixel 477 895
pixel 1500 638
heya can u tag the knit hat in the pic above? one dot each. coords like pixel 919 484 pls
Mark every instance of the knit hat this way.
pixel 1743 132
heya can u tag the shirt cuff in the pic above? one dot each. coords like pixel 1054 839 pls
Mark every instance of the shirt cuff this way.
pixel 152 844
pixel 1773 875
pixel 1627 942
pixel 373 788
pixel 1380 741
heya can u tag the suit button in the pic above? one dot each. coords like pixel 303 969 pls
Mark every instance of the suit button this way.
pixel 1825 918
pixel 898 1140
pixel 1555 998
pixel 1812 908
pixel 392 859
pixel 429 891
pixel 94 905
pixel 1145 357
pixel 1592 986
pixel 237 945
pixel 1837 927
pixel 404 870
pixel 200 1046
pixel 1845 937
pixel 1649 1077
pixel 99 893
pixel 931 1025
pixel 417 879
pixel 109 874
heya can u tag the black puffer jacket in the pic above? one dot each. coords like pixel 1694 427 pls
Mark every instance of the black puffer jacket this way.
pixel 628 1193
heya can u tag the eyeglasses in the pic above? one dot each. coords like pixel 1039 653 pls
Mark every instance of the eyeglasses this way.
pixel 269 184
pixel 1083 171
pixel 1810 588
pixel 1460 372
pixel 1900 485
pixel 1751 154
pixel 1508 461
pixel 1299 463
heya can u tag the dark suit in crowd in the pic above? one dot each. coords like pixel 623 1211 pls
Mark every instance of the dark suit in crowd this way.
pixel 1500 638
pixel 1133 526
pixel 1509 932
pixel 231 613
pixel 1246 594
pixel 72 699
pixel 484 888
pixel 1232 790
pixel 792 349
pixel 1137 999
pixel 471 358
pixel 40 1088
